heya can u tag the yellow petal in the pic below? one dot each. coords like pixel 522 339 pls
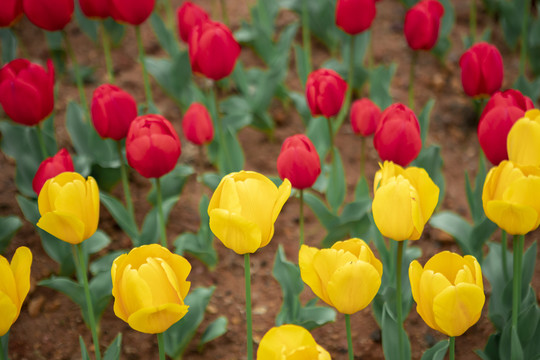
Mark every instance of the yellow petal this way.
pixel 154 320
pixel 284 191
pixel 533 114
pixel 430 286
pixel 279 342
pixel 513 218
pixel 235 232
pixel 8 286
pixel 20 266
pixel 304 353
pixel 428 192
pixel 498 180
pixel 63 225
pixel 164 290
pixel 447 263
pixel 415 273
pixel 134 293
pixel 325 263
pixel 9 313
pixel 307 270
pixel 477 271
pixel 523 142
pixel 181 268
pixel 526 192
pixel 92 202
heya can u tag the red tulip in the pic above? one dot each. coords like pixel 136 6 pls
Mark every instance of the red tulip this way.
pixel 365 116
pixel 481 69
pixel 50 167
pixel 10 12
pixel 99 9
pixel 27 91
pixel 355 16
pixel 213 50
pixel 113 110
pixel 51 15
pixel 299 162
pixel 197 124
pixel 189 15
pixel 508 97
pixel 152 146
pixel 325 92
pixel 422 23
pixel 397 137
pixel 133 12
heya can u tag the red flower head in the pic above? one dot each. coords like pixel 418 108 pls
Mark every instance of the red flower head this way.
pixel 355 16
pixel 98 9
pixel 11 11
pixel 365 116
pixel 299 162
pixel 325 92
pixel 51 15
pixel 189 15
pixel 113 110
pixel 481 69
pixel 50 167
pixel 197 124
pixel 133 12
pixel 422 23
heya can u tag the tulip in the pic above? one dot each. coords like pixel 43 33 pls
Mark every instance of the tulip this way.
pixel 397 137
pixel 69 207
pixel 365 116
pixel 243 210
pixel 152 146
pixel 149 288
pixel 325 92
pixel 50 167
pixel 355 16
pixel 448 291
pixel 288 342
pixel 347 276
pixel 188 16
pixel 481 70
pixel 422 24
pixel 12 11
pixel 21 81
pixel 403 202
pixel 299 162
pixel 508 98
pixel 197 124
pixel 210 41
pixel 96 9
pixel 524 140
pixel 511 197
pixel 51 15
pixel 15 284
pixel 113 110
pixel 133 12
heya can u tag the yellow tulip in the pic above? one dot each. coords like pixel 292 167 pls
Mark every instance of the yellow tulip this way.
pixel 404 201
pixel 523 142
pixel 69 207
pixel 149 287
pixel 290 342
pixel 511 197
pixel 14 286
pixel 448 291
pixel 244 208
pixel 347 276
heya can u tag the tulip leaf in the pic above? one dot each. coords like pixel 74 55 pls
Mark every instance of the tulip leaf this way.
pixel 300 104
pixel 335 192
pixel 217 328
pixel 431 160
pixel 302 63
pixel 447 23
pixel 499 313
pixel 104 263
pixel 323 214
pixel 436 352
pixel 529 260
pixel 9 45
pixel 56 48
pixel 474 196
pixel 9 225
pixel 511 13
pixel 211 179
pixel 115 30
pixel 423 120
pixel 391 332
pixel 115 349
pixel 528 88
pixel 165 37
pixel 88 26
pixel 120 214
pixel 150 229
pixel 237 112
pixel 172 183
pixel 456 226
pixel 84 350
pixel 317 132
pixel 379 85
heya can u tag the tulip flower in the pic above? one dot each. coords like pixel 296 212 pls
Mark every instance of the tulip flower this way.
pixel 397 137
pixel 524 140
pixel 325 92
pixel 188 16
pixel 50 167
pixel 96 9
pixel 197 124
pixel 355 16
pixel 50 15
pixel 289 342
pixel 422 24
pixel 113 110
pixel 69 207
pixel 12 11
pixel 149 288
pixel 365 116
pixel 299 162
pixel 15 284
pixel 481 70
pixel 133 12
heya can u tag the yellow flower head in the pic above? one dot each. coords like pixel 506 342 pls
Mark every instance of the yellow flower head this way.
pixel 244 208
pixel 404 201
pixel 14 286
pixel 523 142
pixel 149 287
pixel 347 276
pixel 448 291
pixel 69 207
pixel 290 342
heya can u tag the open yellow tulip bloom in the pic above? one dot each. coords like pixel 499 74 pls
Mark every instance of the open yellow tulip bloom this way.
pixel 523 142
pixel 14 286
pixel 511 197
pixel 149 287
pixel 404 201
pixel 448 291
pixel 244 208
pixel 290 342
pixel 69 207
pixel 347 276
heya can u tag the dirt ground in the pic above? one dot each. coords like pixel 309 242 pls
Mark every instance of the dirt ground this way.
pixel 49 324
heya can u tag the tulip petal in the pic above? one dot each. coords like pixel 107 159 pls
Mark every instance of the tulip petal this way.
pixel 428 192
pixel 161 281
pixel 154 320
pixel 307 270
pixel 515 219
pixel 20 266
pixel 135 294
pixel 447 263
pixel 430 285
pixel 63 225
pixel 181 268
pixel 235 232
pixel 523 142
pixel 325 263
pixel 9 313
pixel 415 273
pixel 8 286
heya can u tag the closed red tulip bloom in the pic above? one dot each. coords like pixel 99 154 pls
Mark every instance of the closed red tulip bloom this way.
pixel 397 137
pixel 113 110
pixel 10 12
pixel 422 24
pixel 133 12
pixel 152 146
pixel 213 50
pixel 481 69
pixel 27 91
pixel 365 116
pixel 197 124
pixel 299 162
pixel 51 15
pixel 355 16
pixel 325 92
pixel 188 16
pixel 96 9
pixel 50 167
pixel 508 97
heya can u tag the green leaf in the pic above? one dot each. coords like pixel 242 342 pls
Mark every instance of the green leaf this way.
pixel 431 160
pixel 529 88
pixel 447 22
pixel 391 331
pixel 511 13
pixel 474 196
pixel 529 260
pixel 4 341
pixel 115 30
pixel 58 54
pixel 9 225
pixel 302 63
pixel 9 45
pixel 120 214
pixel 424 118
pixel 379 85
pixel 166 39
pixel 217 328
pixel 335 193
pixel 436 352
pixel 115 349
pixel 516 351
pixel 104 263
pixel 84 351
pixel 456 226
pixel 173 76
pixel 323 214
pixel 172 183
pixel 499 312
pixel 68 287
pixel 211 180
pixel 88 26
pixel 232 159
pixel 150 229
pixel 317 132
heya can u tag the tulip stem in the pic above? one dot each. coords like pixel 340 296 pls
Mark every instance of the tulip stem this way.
pixel 161 346
pixel 170 18
pixel 331 134
pixel 516 293
pixel 452 347
pixel 146 80
pixel 88 298
pixel 524 25
pixel 249 322
pixel 399 311
pixel 362 156
pixel 414 57
pixel 472 22
pixel 350 87
pixel 162 229
pixel 224 149
pixel 306 37
pixel 3 352
pixel 504 249
pixel 125 183
pixel 301 217
pixel 41 141
pixel 349 336
pixel 78 77
pixel 224 14
pixel 107 52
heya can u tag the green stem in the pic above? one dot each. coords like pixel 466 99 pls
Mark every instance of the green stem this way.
pixel 331 134
pixel 162 229
pixel 414 57
pixel 362 157
pixel 224 14
pixel 170 18
pixel 107 52
pixel 2 350
pixel 504 249
pixel 306 37
pixel 41 141
pixel 452 347
pixel 348 94
pixel 161 346
pixel 349 336
pixel 78 77
pixel 301 217
pixel 516 293
pixel 146 79
pixel 399 311
pixel 88 297
pixel 523 50
pixel 125 182
pixel 472 21
pixel 249 321
pixel 221 131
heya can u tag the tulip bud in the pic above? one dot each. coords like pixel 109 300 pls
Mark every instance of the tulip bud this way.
pixel 50 167
pixel 210 41
pixel 299 162
pixel 290 342
pixel 355 16
pixel 112 110
pixel 51 15
pixel 365 116
pixel 197 124
pixel 422 23
pixel 12 11
pixel 481 70
pixel 152 146
pixel 188 16
pixel 20 81
pixel 96 9
pixel 397 137
pixel 133 12
pixel 325 92
pixel 524 140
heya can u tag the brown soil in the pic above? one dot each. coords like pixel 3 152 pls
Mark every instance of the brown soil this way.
pixel 49 324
